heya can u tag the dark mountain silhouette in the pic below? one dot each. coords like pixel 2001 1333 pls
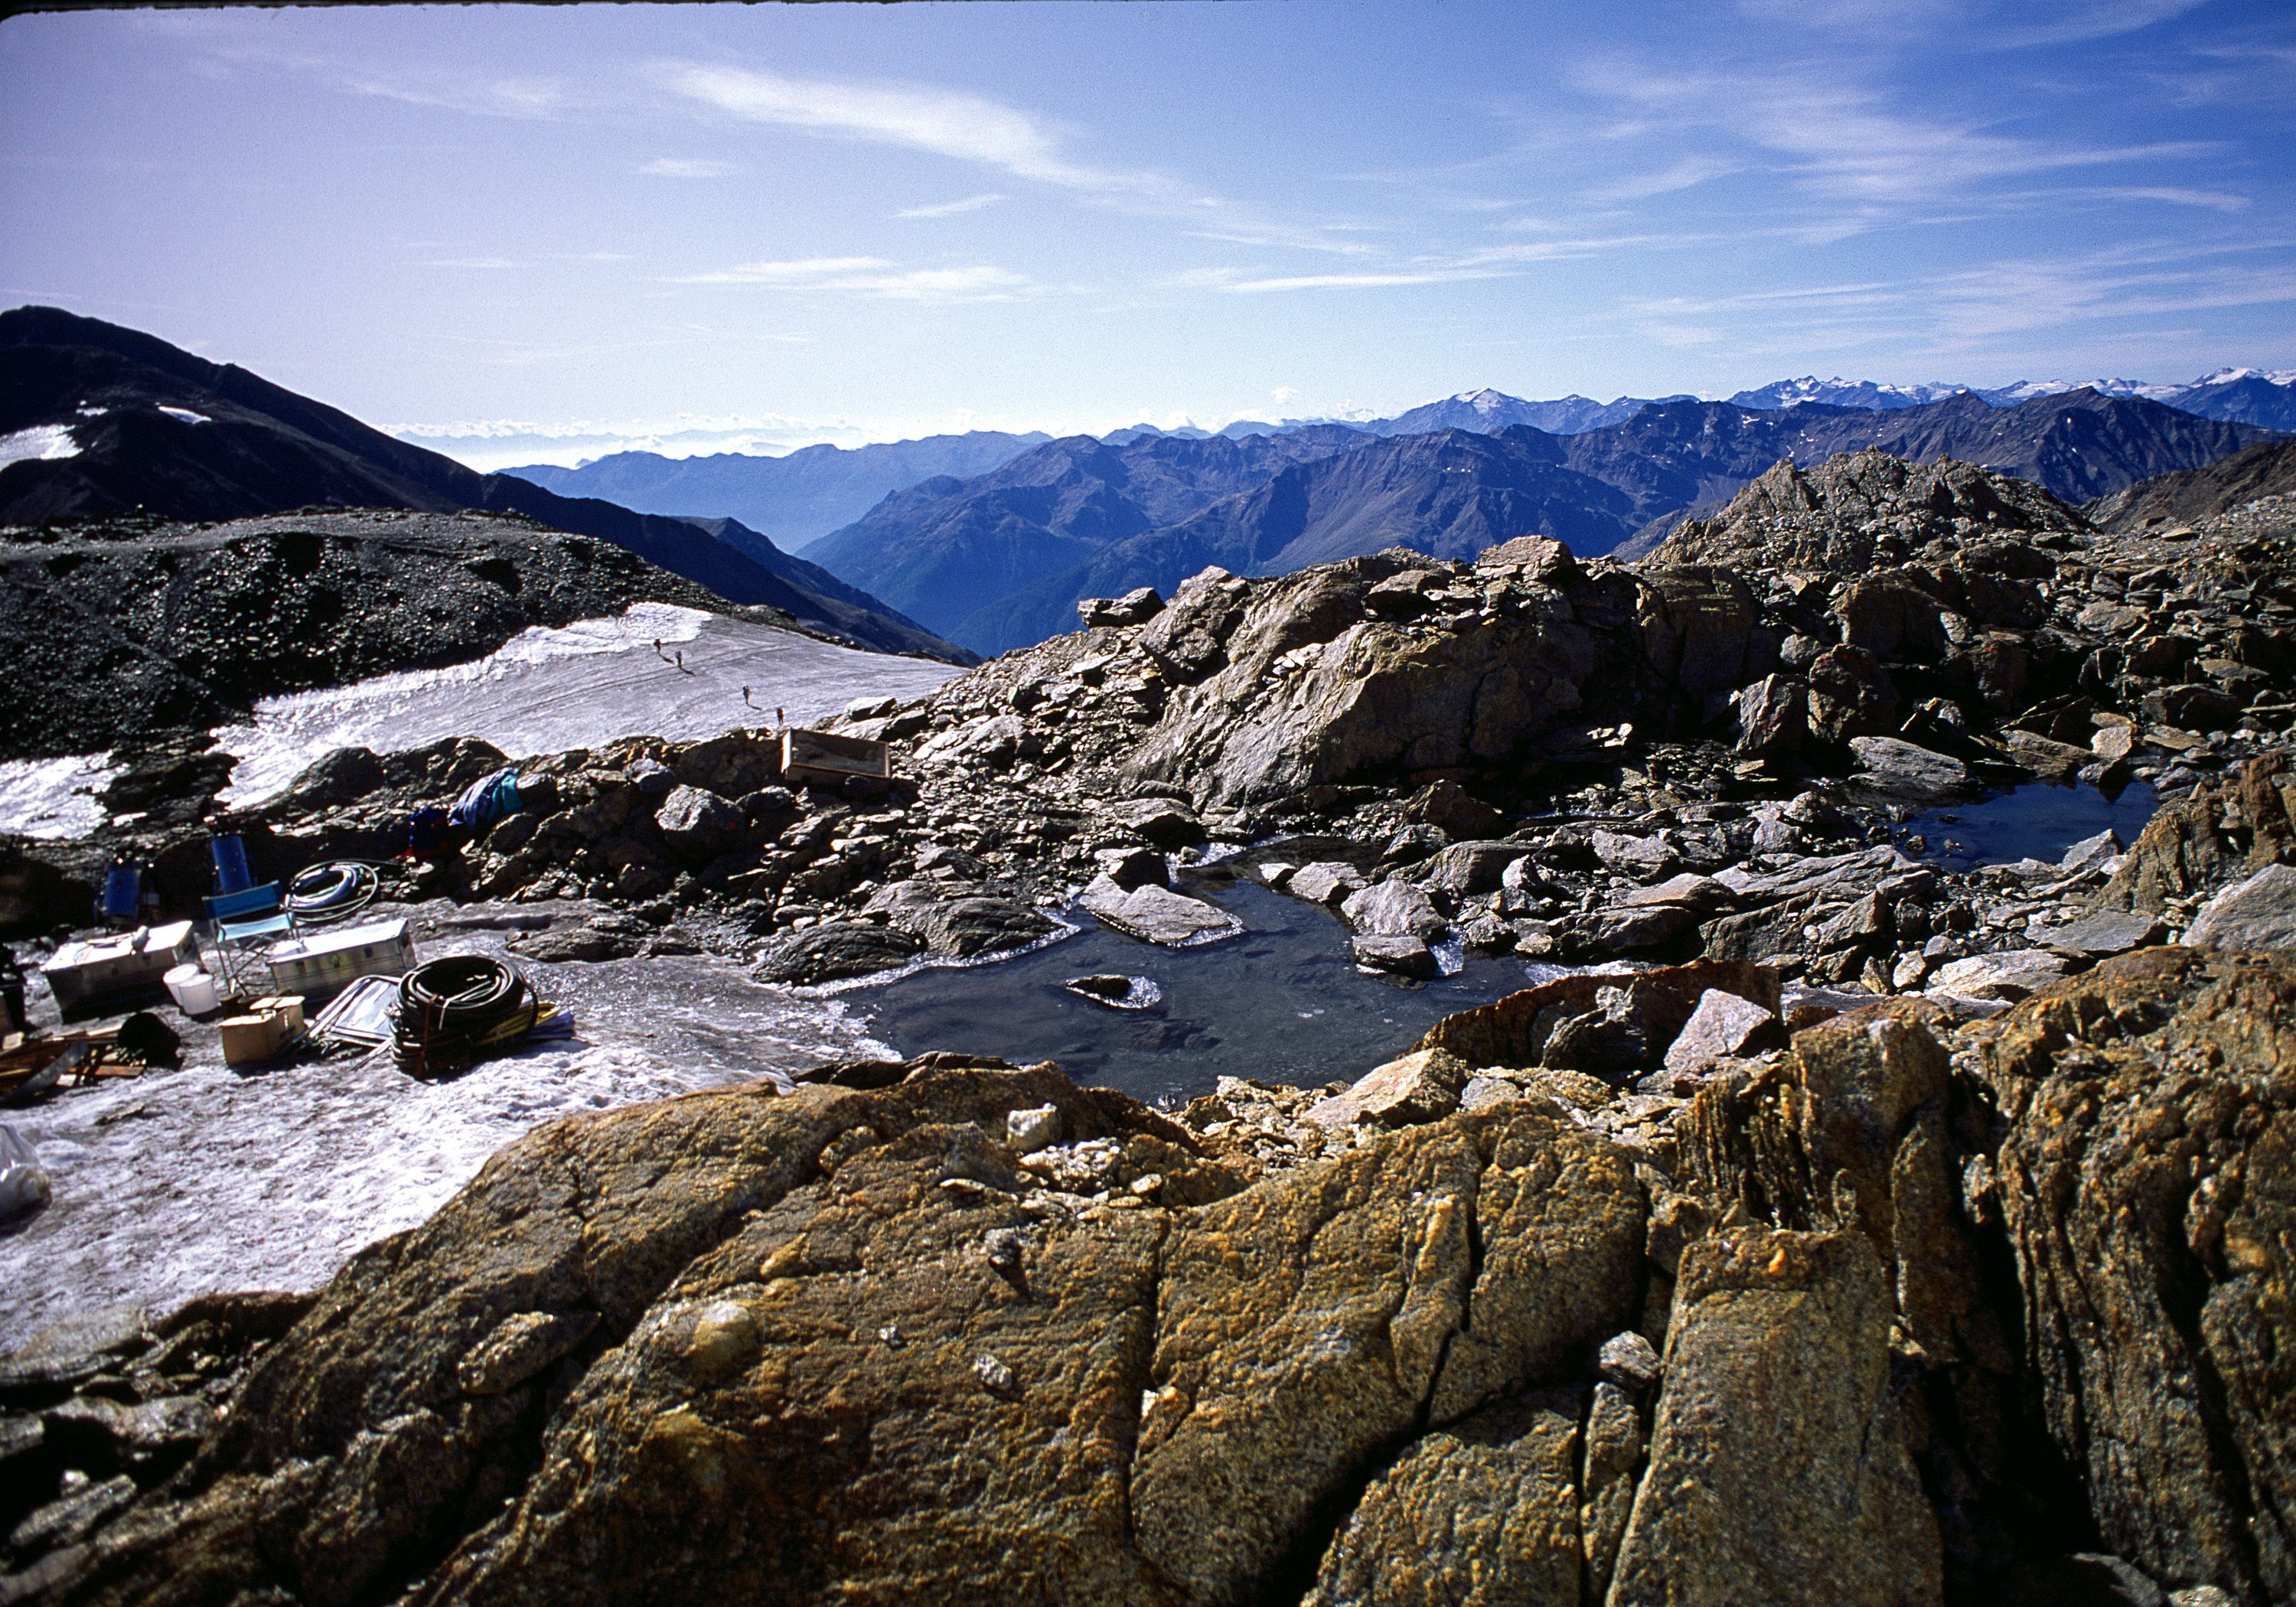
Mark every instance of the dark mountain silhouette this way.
pixel 998 561
pixel 790 500
pixel 146 426
pixel 2268 469
pixel 947 547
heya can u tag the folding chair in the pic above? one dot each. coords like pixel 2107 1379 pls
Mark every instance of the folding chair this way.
pixel 246 920
pixel 230 855
pixel 121 901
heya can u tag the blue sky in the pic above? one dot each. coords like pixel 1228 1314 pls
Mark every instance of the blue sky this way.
pixel 539 232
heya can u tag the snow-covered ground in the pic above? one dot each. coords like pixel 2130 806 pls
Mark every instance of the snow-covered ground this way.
pixel 542 691
pixel 54 798
pixel 180 1181
pixel 545 690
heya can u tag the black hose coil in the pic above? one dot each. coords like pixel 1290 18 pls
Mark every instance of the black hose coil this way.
pixel 454 1011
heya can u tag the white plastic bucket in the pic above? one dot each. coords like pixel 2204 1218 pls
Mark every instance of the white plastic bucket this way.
pixel 193 990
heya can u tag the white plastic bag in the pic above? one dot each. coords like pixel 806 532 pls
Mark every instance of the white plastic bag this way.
pixel 23 1186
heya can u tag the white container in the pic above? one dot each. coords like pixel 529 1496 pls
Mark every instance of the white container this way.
pixel 193 990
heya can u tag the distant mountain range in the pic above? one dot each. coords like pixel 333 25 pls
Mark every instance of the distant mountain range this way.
pixel 998 560
pixel 95 419
pixel 795 500
pixel 789 500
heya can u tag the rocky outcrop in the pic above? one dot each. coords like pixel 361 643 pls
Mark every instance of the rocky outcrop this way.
pixel 1862 510
pixel 2147 1184
pixel 1936 1308
pixel 1778 1469
pixel 853 1345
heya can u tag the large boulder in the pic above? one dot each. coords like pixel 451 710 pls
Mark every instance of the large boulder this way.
pixel 834 951
pixel 869 1346
pixel 698 826
pixel 1851 694
pixel 1394 908
pixel 1313 687
pixel 1778 1470
pixel 2147 1183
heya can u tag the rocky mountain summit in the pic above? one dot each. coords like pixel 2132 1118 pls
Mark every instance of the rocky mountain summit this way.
pixel 1839 1227
pixel 130 427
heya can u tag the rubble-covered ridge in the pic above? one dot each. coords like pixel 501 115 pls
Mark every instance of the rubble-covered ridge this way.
pixel 1860 509
pixel 1898 1312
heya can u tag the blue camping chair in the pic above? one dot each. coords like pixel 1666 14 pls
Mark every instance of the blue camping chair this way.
pixel 230 855
pixel 247 920
pixel 121 901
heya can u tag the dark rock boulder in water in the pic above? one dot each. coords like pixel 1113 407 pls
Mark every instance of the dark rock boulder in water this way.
pixel 835 951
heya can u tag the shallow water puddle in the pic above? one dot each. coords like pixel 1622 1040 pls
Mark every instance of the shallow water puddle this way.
pixel 1282 1002
pixel 2039 820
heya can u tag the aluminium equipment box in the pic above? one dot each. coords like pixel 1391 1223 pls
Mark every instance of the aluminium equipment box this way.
pixel 324 963
pixel 91 973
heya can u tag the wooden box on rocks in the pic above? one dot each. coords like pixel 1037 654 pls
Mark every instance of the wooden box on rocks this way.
pixel 823 758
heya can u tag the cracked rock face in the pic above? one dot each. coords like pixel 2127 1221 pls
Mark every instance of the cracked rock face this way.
pixel 2148 1187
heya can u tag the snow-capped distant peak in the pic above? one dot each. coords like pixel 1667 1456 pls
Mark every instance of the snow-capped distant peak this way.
pixel 2225 376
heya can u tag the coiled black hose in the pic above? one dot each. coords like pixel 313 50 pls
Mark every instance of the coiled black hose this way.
pixel 332 890
pixel 454 1012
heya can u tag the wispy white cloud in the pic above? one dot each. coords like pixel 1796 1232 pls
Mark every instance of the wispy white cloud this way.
pixel 1237 282
pixel 2078 21
pixel 1688 173
pixel 969 127
pixel 871 277
pixel 1843 140
pixel 680 167
pixel 951 209
pixel 921 117
pixel 468 262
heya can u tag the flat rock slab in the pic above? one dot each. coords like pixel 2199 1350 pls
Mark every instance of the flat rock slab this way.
pixel 2009 974
pixel 1401 953
pixel 1722 1025
pixel 2259 913
pixel 1325 882
pixel 2108 932
pixel 1889 764
pixel 1419 1087
pixel 1156 914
